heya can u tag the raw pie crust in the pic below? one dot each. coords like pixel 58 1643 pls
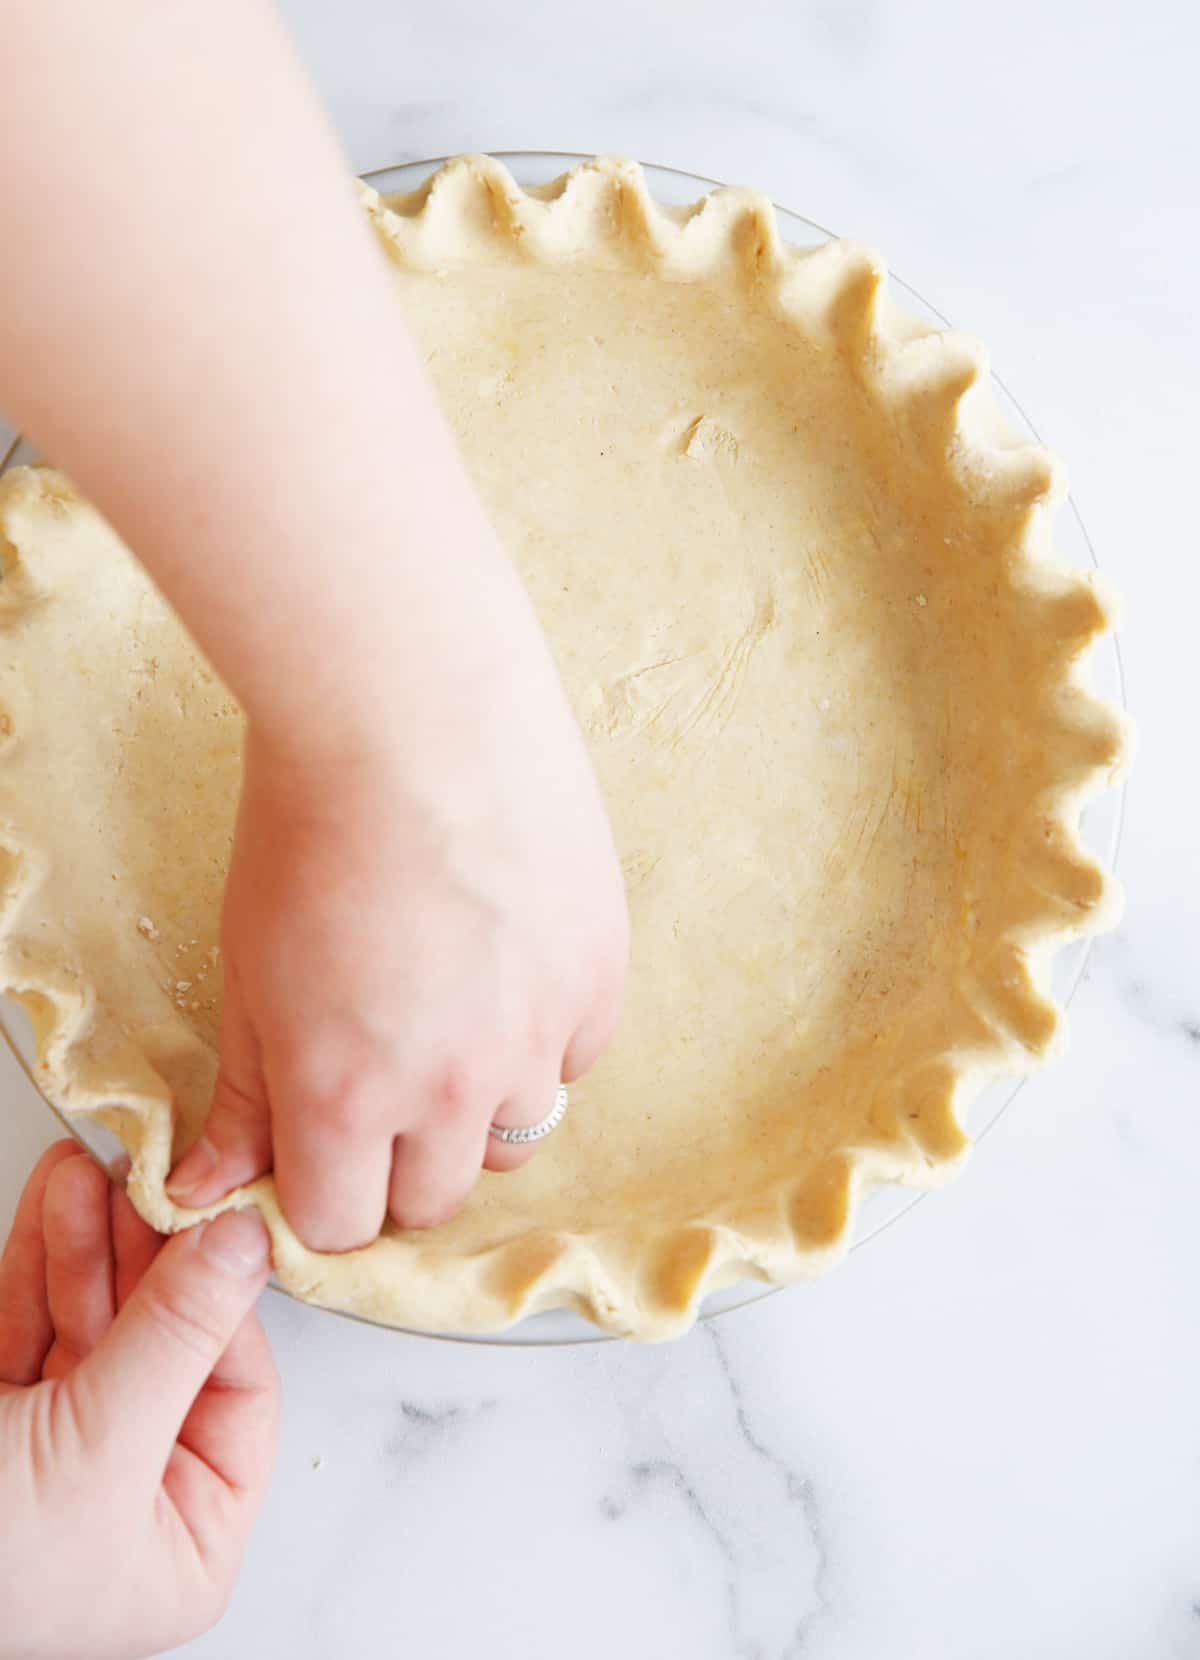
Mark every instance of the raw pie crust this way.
pixel 799 580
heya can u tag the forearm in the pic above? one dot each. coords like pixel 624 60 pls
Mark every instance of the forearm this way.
pixel 199 329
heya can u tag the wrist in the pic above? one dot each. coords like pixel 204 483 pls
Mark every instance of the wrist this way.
pixel 425 671
pixel 417 724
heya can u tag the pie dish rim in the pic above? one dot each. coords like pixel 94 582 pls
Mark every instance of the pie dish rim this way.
pixel 748 1290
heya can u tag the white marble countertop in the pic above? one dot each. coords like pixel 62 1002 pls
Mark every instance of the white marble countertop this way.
pixel 980 1437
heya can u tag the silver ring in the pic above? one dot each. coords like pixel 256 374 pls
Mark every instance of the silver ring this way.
pixel 519 1134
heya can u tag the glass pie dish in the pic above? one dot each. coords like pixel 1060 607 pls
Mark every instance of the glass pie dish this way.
pixel 1101 821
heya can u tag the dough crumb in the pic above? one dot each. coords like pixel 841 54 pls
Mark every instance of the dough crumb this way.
pixel 708 438
pixel 921 600
pixel 146 928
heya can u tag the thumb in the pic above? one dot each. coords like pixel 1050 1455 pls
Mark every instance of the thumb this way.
pixel 236 1144
pixel 157 1355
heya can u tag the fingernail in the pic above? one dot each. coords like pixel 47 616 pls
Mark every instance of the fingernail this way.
pixel 237 1241
pixel 193 1169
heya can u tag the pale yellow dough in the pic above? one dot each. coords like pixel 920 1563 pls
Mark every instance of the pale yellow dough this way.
pixel 798 580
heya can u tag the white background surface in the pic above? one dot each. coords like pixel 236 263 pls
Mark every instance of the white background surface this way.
pixel 980 1438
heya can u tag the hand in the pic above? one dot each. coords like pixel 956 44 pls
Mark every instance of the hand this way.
pixel 138 1408
pixel 424 932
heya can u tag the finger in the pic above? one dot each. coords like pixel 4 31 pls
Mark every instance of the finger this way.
pixel 233 1426
pixel 591 1040
pixel 217 1474
pixel 79 1262
pixel 434 1170
pixel 529 1106
pixel 332 1183
pixel 135 1244
pixel 139 1383
pixel 236 1144
pixel 26 1330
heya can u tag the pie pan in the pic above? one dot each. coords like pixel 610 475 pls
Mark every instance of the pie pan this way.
pixel 1103 816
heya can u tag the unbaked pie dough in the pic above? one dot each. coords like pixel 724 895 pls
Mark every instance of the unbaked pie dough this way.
pixel 799 580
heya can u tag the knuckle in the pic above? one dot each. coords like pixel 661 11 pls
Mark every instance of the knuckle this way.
pixel 421 1211
pixel 612 962
pixel 343 1107
pixel 233 1100
pixel 417 1217
pixel 505 1157
pixel 455 1089
pixel 608 1018
pixel 542 1036
pixel 610 989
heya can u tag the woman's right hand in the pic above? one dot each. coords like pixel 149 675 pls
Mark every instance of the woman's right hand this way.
pixel 424 932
